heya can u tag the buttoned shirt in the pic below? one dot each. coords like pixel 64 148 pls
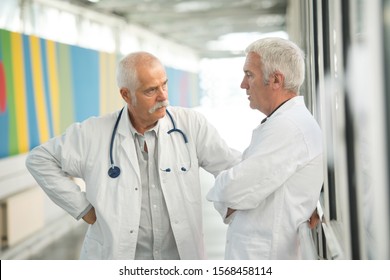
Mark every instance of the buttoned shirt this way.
pixel 155 237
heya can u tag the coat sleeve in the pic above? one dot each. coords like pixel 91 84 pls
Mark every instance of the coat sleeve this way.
pixel 214 155
pixel 54 164
pixel 275 156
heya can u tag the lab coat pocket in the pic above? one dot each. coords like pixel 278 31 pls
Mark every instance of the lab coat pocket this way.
pixel 188 183
pixel 93 245
pixel 247 248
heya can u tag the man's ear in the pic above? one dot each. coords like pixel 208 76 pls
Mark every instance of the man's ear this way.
pixel 277 80
pixel 125 93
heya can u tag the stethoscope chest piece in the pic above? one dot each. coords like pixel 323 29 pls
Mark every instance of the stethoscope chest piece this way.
pixel 114 171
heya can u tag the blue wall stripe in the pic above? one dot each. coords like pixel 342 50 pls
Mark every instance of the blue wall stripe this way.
pixel 45 76
pixel 4 123
pixel 173 95
pixel 31 108
pixel 85 76
pixel 4 120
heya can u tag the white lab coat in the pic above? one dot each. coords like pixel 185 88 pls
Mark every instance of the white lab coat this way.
pixel 83 151
pixel 275 188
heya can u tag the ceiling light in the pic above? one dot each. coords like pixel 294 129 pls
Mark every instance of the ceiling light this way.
pixel 237 42
pixel 194 6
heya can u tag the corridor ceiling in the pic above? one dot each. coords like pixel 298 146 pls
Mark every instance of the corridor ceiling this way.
pixel 213 28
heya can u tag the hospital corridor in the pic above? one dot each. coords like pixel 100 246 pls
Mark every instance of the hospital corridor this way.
pixel 64 62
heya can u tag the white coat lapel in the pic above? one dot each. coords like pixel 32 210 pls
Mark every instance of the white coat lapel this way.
pixel 164 144
pixel 173 152
pixel 126 143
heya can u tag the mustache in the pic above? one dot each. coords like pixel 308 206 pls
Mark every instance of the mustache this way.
pixel 159 105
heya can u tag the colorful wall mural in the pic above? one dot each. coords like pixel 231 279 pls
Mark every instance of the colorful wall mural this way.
pixel 45 86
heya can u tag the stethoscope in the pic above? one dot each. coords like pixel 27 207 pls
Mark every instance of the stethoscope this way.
pixel 114 171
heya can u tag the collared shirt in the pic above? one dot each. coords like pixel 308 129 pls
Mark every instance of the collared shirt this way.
pixel 155 237
pixel 280 105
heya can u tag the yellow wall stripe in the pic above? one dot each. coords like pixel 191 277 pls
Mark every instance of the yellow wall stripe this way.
pixel 39 90
pixel 53 85
pixel 115 97
pixel 20 92
pixel 110 98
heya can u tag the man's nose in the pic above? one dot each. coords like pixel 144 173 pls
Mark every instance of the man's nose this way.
pixel 244 84
pixel 162 93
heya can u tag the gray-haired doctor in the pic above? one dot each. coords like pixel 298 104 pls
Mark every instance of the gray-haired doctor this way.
pixel 277 184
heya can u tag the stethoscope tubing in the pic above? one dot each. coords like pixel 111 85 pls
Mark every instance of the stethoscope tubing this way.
pixel 114 171
pixel 113 136
pixel 174 129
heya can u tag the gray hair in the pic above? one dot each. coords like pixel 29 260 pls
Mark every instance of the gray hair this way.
pixel 126 72
pixel 280 55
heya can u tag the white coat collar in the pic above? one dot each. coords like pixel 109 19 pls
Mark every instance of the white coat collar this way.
pixel 284 106
pixel 126 139
pixel 126 129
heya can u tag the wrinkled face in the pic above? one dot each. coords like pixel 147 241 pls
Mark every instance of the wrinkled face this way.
pixel 253 82
pixel 151 95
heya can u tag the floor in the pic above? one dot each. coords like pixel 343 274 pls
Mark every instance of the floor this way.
pixel 66 247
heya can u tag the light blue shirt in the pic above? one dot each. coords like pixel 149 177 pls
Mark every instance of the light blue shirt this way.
pixel 155 236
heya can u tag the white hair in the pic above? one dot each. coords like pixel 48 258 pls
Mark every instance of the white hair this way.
pixel 280 55
pixel 126 72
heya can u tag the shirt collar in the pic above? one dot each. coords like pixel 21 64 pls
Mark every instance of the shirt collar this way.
pixel 134 131
pixel 280 105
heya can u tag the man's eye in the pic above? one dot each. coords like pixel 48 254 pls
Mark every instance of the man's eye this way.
pixel 150 91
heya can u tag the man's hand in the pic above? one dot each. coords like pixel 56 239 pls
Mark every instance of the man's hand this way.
pixel 90 217
pixel 229 212
pixel 314 219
